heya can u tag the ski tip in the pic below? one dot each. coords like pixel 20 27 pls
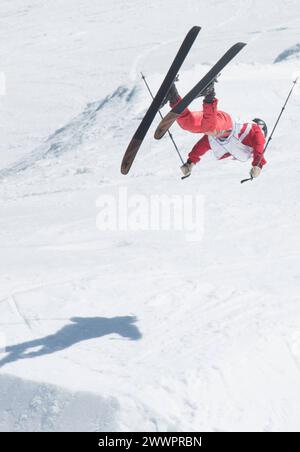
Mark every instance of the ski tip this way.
pixel 165 124
pixel 159 133
pixel 129 155
pixel 193 32
pixel 123 171
pixel 125 167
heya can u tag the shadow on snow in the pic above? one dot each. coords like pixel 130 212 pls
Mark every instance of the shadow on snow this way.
pixel 81 329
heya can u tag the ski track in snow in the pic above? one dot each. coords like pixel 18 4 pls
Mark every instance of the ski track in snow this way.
pixel 164 334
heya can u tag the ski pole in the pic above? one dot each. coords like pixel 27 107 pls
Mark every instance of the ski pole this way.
pixel 170 135
pixel 278 119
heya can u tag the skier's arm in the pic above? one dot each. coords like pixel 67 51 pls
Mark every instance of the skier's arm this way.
pixel 256 140
pixel 199 149
pixel 258 145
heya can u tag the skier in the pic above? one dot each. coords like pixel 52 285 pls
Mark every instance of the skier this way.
pixel 222 135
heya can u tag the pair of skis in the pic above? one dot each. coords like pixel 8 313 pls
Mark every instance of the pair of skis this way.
pixel 171 117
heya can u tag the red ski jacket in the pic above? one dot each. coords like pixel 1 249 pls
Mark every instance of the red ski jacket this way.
pixel 212 121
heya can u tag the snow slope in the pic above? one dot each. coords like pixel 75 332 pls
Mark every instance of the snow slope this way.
pixel 149 330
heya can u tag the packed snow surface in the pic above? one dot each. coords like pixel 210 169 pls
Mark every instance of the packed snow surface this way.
pixel 154 329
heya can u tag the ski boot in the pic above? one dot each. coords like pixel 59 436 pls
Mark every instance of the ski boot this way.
pixel 209 93
pixel 172 95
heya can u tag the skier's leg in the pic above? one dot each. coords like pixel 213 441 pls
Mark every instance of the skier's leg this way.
pixel 199 121
pixel 190 120
pixel 214 121
pixel 210 120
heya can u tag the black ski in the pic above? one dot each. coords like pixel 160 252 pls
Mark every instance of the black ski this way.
pixel 143 128
pixel 171 117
